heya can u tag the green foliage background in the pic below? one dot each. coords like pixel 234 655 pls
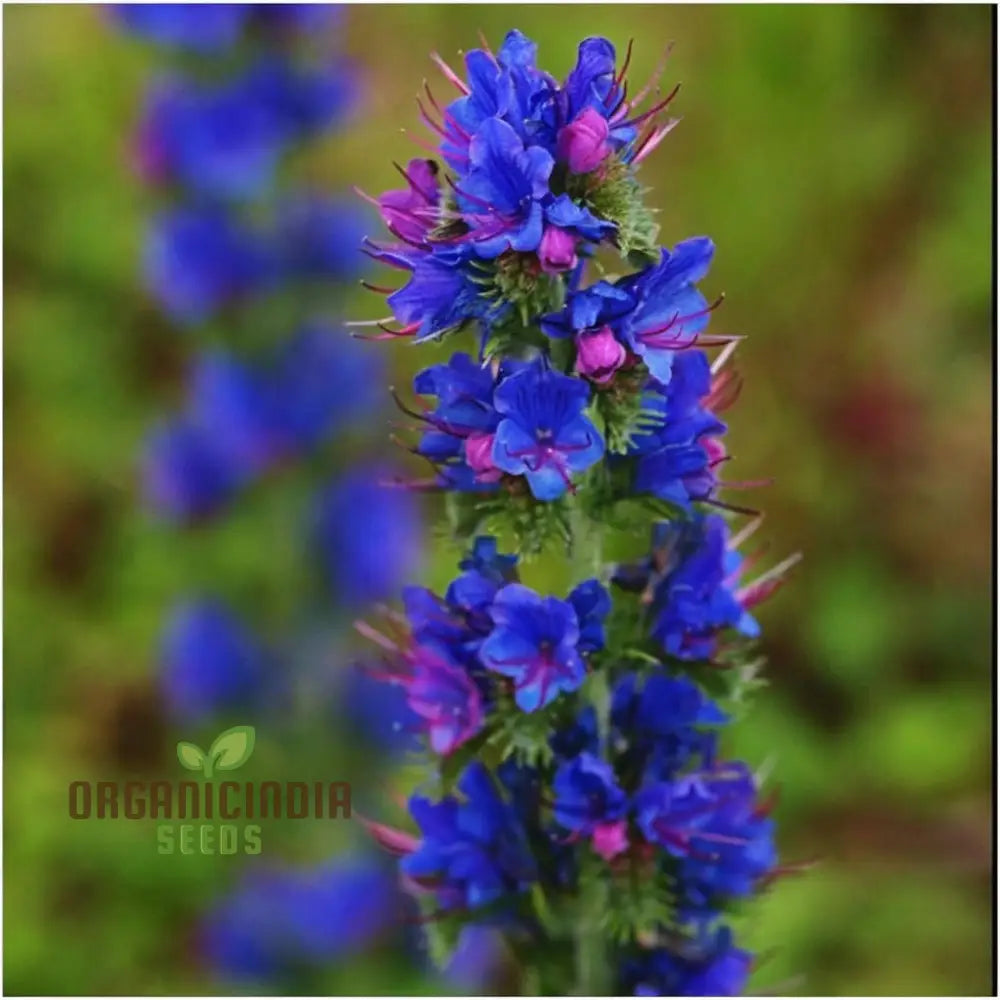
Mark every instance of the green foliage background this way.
pixel 841 159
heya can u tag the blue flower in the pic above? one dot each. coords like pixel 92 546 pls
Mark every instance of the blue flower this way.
pixel 185 474
pixel 442 294
pixel 210 663
pixel 655 313
pixel 485 558
pixel 708 966
pixel 534 642
pixel 544 434
pixel 710 821
pixel 199 260
pixel 502 194
pixel 473 851
pixel 587 794
pixel 694 602
pixel 507 87
pixel 580 735
pixel 669 311
pixel 690 578
pixel 592 86
pixel 676 456
pixel 664 721
pixel 369 565
pixel 592 604
pixel 460 441
pixel 278 921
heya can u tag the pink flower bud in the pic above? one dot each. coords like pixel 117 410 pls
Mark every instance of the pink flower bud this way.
pixel 598 355
pixel 610 839
pixel 479 452
pixel 557 250
pixel 583 143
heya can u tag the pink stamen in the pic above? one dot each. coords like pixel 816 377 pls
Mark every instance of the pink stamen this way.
pixel 450 74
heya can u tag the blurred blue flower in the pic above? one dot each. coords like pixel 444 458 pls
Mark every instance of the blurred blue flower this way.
pixel 378 712
pixel 710 966
pixel 185 474
pixel 367 535
pixel 278 921
pixel 225 140
pixel 200 260
pixel 476 960
pixel 210 662
pixel 202 27
pixel 318 237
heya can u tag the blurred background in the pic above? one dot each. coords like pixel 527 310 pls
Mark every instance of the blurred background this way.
pixel 840 157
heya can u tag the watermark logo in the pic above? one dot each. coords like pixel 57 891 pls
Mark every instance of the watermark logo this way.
pixel 238 804
pixel 229 750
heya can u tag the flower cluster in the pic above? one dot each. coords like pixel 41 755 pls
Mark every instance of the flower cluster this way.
pixel 270 388
pixel 221 142
pixel 243 418
pixel 583 804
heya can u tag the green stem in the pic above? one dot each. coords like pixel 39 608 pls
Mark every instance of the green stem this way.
pixel 587 545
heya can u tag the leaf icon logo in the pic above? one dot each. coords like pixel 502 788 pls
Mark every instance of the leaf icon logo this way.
pixel 229 750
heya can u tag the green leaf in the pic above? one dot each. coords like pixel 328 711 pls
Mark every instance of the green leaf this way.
pixel 190 755
pixel 232 748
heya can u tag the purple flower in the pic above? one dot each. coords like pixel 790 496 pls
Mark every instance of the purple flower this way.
pixel 557 250
pixel 199 260
pixel 473 852
pixel 583 144
pixel 534 642
pixel 544 434
pixel 210 662
pixel 412 212
pixel 599 355
pixel 446 698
